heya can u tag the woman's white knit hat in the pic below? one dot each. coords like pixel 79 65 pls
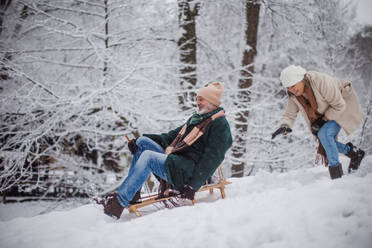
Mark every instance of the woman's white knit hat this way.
pixel 291 75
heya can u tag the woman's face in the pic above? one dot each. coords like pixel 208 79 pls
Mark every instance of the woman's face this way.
pixel 297 89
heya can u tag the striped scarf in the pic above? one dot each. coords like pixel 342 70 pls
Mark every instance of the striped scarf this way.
pixel 179 144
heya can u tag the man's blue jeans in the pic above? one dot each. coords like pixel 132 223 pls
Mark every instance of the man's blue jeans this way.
pixel 327 136
pixel 149 158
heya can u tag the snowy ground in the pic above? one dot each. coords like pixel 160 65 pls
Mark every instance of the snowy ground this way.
pixel 302 208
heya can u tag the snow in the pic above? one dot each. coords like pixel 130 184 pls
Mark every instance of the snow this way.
pixel 301 208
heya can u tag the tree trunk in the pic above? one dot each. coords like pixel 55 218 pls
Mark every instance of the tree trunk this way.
pixel 188 11
pixel 105 64
pixel 245 81
pixel 4 4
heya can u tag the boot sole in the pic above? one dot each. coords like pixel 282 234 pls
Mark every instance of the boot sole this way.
pixel 111 215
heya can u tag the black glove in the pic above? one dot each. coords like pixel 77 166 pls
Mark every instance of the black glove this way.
pixel 132 146
pixel 282 130
pixel 188 192
pixel 317 125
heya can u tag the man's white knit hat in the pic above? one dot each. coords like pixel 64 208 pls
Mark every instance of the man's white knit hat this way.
pixel 291 75
pixel 212 93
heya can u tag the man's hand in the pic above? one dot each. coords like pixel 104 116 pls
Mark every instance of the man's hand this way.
pixel 132 146
pixel 188 192
pixel 317 125
pixel 282 130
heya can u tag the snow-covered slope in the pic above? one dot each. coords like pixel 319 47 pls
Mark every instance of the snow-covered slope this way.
pixel 302 208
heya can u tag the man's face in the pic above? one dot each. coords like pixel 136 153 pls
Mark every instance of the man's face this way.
pixel 203 105
pixel 297 89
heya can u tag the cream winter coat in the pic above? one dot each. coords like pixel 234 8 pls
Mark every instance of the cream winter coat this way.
pixel 336 99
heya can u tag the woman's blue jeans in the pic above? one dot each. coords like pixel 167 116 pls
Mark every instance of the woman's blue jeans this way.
pixel 327 136
pixel 149 158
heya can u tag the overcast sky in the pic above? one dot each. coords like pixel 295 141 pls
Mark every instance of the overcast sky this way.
pixel 364 11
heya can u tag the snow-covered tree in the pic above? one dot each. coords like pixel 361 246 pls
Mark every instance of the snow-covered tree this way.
pixel 78 75
pixel 82 75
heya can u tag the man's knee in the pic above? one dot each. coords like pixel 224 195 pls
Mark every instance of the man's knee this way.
pixel 143 140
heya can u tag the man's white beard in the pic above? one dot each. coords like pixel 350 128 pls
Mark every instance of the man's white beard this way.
pixel 204 110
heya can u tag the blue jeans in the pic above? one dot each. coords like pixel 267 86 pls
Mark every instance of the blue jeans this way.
pixel 149 158
pixel 327 136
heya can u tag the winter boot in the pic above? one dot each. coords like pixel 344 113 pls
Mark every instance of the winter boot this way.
pixel 104 200
pixel 113 208
pixel 335 171
pixel 355 155
pixel 136 198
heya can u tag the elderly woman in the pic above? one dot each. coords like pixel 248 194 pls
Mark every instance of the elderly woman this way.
pixel 327 104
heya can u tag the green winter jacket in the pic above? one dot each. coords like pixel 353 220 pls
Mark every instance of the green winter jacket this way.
pixel 196 163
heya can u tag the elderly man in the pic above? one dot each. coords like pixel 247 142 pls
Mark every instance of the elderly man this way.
pixel 327 104
pixel 184 157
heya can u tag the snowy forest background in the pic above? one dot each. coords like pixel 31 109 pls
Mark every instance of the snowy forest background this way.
pixel 79 75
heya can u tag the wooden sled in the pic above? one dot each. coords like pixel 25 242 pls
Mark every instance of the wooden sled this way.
pixel 152 199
